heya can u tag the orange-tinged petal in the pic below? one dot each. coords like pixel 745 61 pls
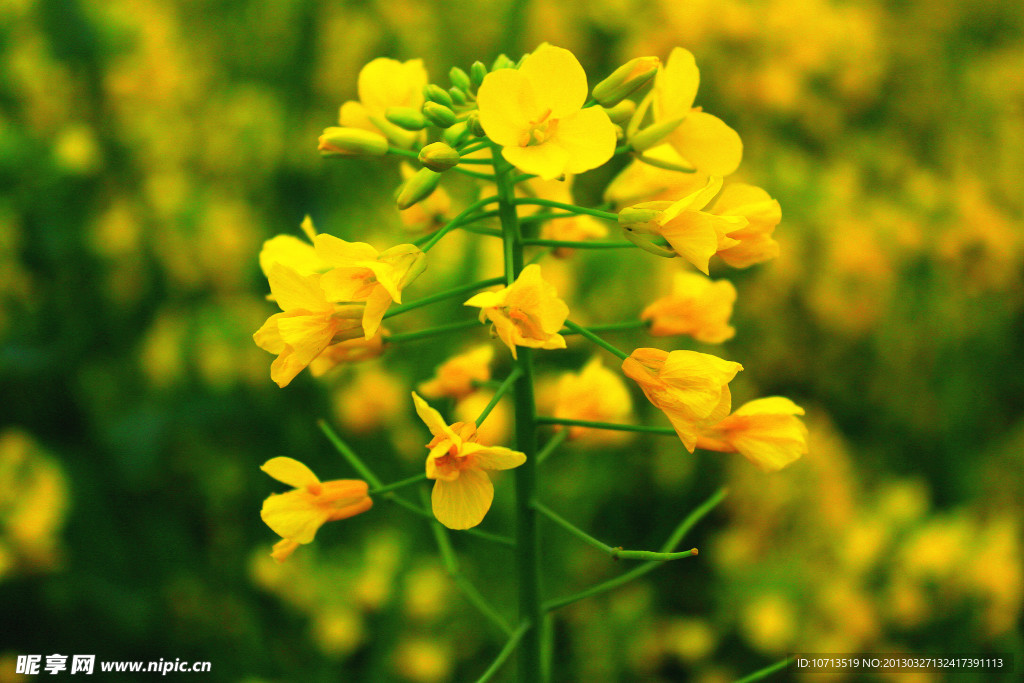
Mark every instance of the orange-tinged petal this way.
pixel 588 137
pixel 548 160
pixel 435 423
pixel 675 86
pixel 294 515
pixel 493 457
pixel 283 549
pixel 290 471
pixel 462 503
pixel 708 143
pixel 507 104
pixel 558 80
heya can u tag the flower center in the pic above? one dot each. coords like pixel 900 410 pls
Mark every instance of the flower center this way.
pixel 540 131
pixel 527 326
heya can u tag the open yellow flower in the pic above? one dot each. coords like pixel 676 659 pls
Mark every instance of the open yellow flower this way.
pixel 296 516
pixel 361 273
pixel 596 394
pixel 692 232
pixel 536 114
pixel 767 432
pixel 753 241
pixel 307 325
pixel 386 83
pixel 691 388
pixel 703 140
pixel 463 491
pixel 526 313
pixel 289 250
pixel 456 376
pixel 698 307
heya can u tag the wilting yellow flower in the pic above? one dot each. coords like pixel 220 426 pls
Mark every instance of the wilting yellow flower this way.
pixel 698 307
pixel 526 313
pixel 386 83
pixel 296 516
pixel 694 234
pixel 458 465
pixel 361 273
pixel 767 432
pixel 308 324
pixel 536 114
pixel 455 377
pixel 703 140
pixel 691 388
pixel 754 240
pixel 596 394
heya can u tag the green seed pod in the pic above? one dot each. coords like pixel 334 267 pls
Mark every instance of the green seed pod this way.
pixel 436 93
pixel 407 118
pixel 438 156
pixel 626 80
pixel 477 73
pixel 439 115
pixel 417 188
pixel 339 141
pixel 459 78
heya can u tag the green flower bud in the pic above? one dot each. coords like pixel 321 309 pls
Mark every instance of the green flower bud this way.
pixel 417 188
pixel 458 97
pixel 459 78
pixel 626 80
pixel 455 134
pixel 502 62
pixel 621 112
pixel 473 122
pixel 338 141
pixel 436 93
pixel 408 118
pixel 439 156
pixel 651 136
pixel 647 245
pixel 439 115
pixel 477 73
pixel 637 217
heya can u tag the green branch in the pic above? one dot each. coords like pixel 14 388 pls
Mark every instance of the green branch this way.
pixel 376 491
pixel 615 553
pixel 535 201
pixel 505 653
pixel 501 391
pixel 447 294
pixel 611 426
pixel 575 244
pixel 767 671
pixel 468 211
pixel 579 329
pixel 552 444
pixel 350 455
pixel 430 332
pixel 474 174
pixel 403 152
pixel 673 540
pixel 611 327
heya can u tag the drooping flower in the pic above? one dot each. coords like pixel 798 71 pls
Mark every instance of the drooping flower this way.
pixel 691 388
pixel 754 243
pixel 463 491
pixel 308 324
pixel 536 114
pixel 703 140
pixel 386 83
pixel 767 432
pixel 361 273
pixel 296 516
pixel 697 306
pixel 692 232
pixel 526 313
pixel 595 394
pixel 456 376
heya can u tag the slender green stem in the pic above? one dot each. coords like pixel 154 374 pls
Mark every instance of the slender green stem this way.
pixel 447 294
pixel 453 223
pixel 536 201
pixel 548 645
pixel 527 539
pixel 546 216
pixel 540 255
pixel 622 149
pixel 397 485
pixel 667 165
pixel 611 426
pixel 767 671
pixel 523 177
pixel 505 653
pixel 552 444
pixel 579 329
pixel 475 597
pixel 431 332
pixel 501 391
pixel 615 553
pixel 578 244
pixel 488 162
pixel 480 230
pixel 673 541
pixel 403 152
pixel 612 327
pixel 475 147
pixel 474 174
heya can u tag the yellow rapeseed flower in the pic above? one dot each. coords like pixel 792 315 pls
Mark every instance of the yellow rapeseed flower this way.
pixel 526 313
pixel 536 114
pixel 698 307
pixel 767 432
pixel 307 325
pixel 691 388
pixel 361 273
pixel 456 376
pixel 386 83
pixel 596 394
pixel 297 515
pixel 703 140
pixel 289 250
pixel 754 242
pixel 458 465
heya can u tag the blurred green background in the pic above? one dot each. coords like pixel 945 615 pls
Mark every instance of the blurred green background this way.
pixel 148 147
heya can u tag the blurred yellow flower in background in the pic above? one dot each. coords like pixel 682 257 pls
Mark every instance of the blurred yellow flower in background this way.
pixel 595 394
pixel 386 83
pixel 697 306
pixel 456 377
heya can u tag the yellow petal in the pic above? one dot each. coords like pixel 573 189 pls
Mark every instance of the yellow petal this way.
pixel 708 143
pixel 294 515
pixel 771 405
pixel 387 83
pixel 692 235
pixel 462 503
pixel 588 137
pixel 283 549
pixel 290 471
pixel 292 290
pixel 345 284
pixel 286 367
pixel 558 80
pixel 547 160
pixel 675 86
pixel 488 299
pixel 435 423
pixel 268 337
pixel 376 306
pixel 304 331
pixel 338 252
pixel 493 457
pixel 292 252
pixel 507 104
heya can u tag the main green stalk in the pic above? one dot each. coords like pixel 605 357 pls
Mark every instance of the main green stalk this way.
pixel 527 540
